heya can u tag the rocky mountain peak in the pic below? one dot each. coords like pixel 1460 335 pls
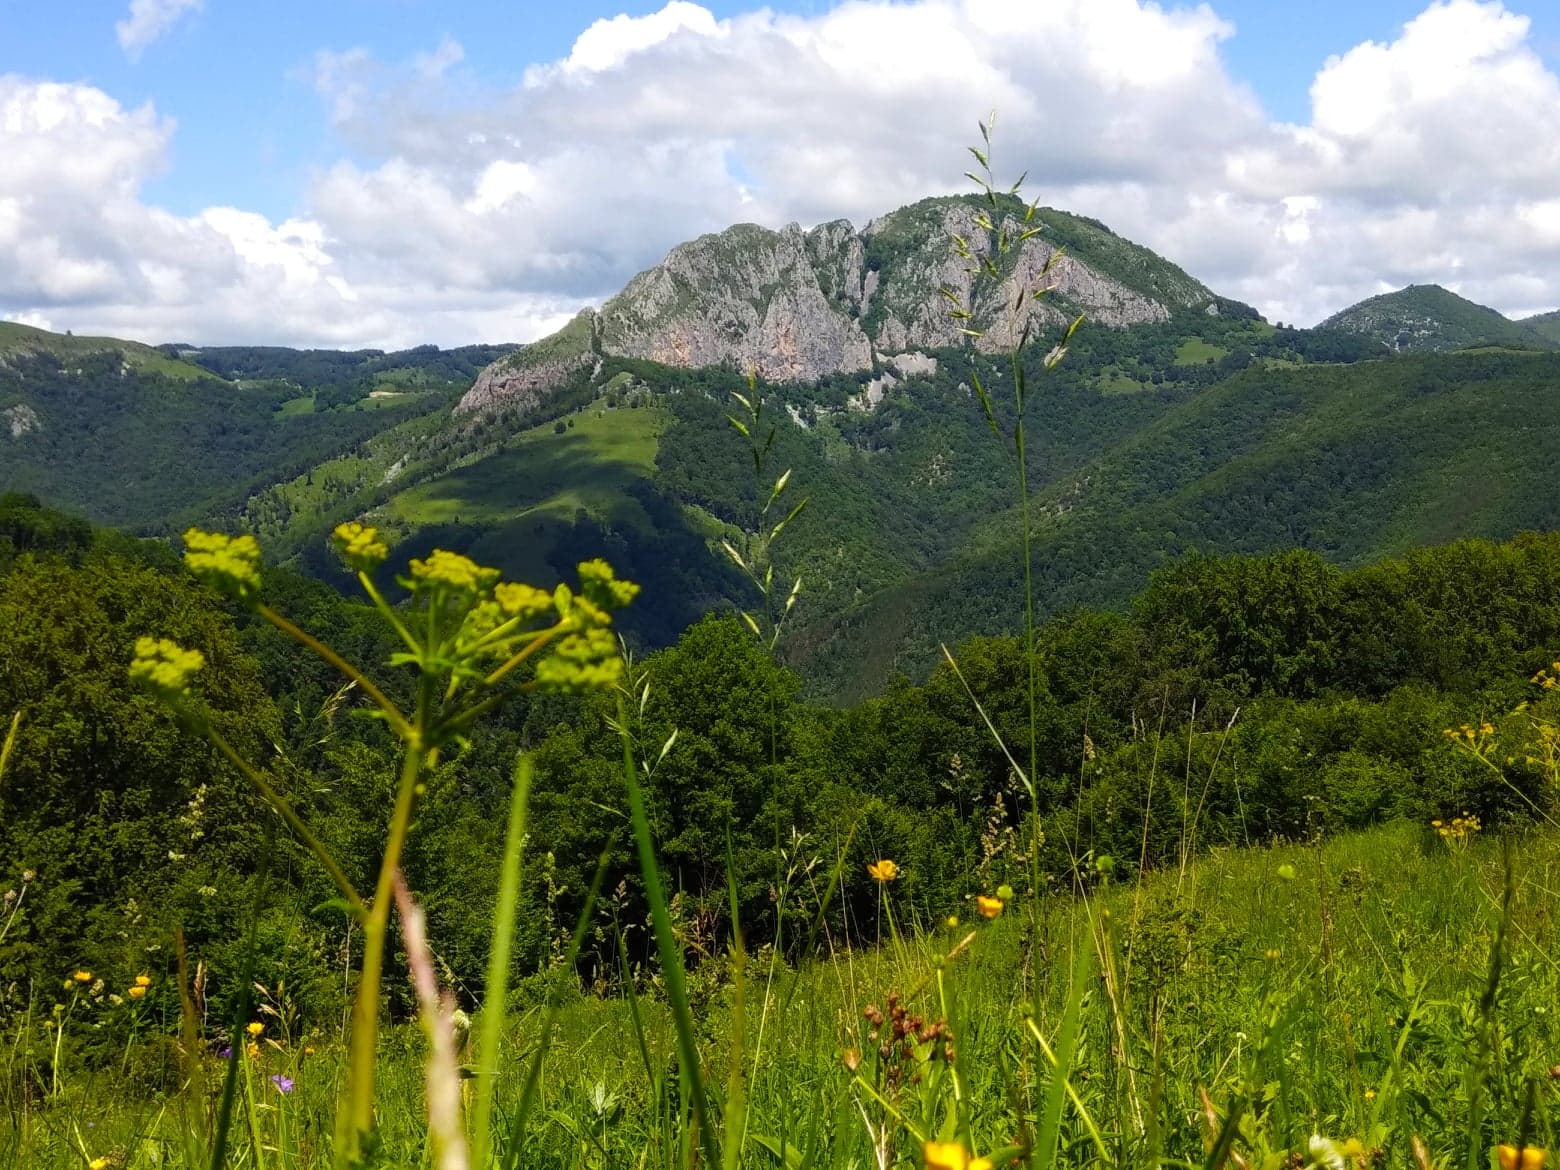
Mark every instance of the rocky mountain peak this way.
pixel 798 304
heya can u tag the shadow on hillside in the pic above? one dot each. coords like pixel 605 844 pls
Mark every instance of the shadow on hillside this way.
pixel 645 536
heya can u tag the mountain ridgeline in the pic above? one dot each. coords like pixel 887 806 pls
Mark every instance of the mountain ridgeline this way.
pixel 1180 421
pixel 1428 317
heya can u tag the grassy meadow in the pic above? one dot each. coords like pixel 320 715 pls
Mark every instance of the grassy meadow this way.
pixel 1395 988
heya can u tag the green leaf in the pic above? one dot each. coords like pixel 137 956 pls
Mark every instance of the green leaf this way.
pixel 795 512
pixel 991 415
pixel 783 1152
pixel 496 991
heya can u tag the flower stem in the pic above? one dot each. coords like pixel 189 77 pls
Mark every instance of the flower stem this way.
pixel 358 1117
pixel 392 712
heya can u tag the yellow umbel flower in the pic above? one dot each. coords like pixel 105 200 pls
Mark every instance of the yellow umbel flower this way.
pixel 229 564
pixel 580 662
pixel 1527 1158
pixel 518 600
pixel 603 589
pixel 951 1156
pixel 164 666
pixel 988 907
pixel 883 871
pixel 359 546
pixel 449 570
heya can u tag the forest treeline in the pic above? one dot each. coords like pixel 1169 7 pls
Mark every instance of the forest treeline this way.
pixel 1236 700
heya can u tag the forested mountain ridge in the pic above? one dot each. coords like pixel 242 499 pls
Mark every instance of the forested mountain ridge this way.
pixel 1429 317
pixel 149 438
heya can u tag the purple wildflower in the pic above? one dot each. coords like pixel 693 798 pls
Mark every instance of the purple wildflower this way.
pixel 283 1084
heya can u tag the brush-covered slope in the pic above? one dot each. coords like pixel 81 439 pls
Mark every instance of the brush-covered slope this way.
pixel 1219 433
pixel 1428 317
pixel 797 305
pixel 150 438
pixel 19 341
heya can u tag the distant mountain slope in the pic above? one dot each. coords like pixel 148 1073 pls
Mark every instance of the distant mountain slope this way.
pixel 1546 325
pixel 1428 317
pixel 136 436
pixel 798 305
pixel 18 340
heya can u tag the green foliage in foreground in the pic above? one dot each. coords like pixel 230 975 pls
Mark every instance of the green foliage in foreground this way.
pixel 1368 988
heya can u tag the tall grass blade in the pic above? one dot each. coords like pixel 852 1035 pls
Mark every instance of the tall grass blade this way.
pixel 1049 1135
pixel 692 1075
pixel 442 1075
pixel 496 993
pixel 734 1114
pixel 241 1009
pixel 10 744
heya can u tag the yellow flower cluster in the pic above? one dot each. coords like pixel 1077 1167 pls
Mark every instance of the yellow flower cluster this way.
pixel 953 1156
pixel 1459 828
pixel 582 661
pixel 989 907
pixel 359 546
pixel 1468 733
pixel 1549 679
pixel 517 600
pixel 165 666
pixel 1525 1158
pixel 138 990
pixel 448 570
pixel 229 564
pixel 603 589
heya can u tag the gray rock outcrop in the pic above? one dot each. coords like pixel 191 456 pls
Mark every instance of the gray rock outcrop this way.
pixel 795 305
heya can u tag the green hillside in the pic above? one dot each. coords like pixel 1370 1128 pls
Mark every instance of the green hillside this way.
pixel 1428 317
pixel 1350 461
pixel 1546 325
pixel 1221 434
pixel 131 436
pixel 23 340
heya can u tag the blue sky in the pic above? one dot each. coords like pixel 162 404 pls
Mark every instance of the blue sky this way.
pixel 298 122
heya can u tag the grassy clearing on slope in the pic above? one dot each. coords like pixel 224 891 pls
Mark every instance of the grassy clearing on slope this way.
pixel 1195 351
pixel 542 471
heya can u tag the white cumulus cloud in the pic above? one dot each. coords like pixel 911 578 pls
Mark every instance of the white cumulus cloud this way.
pixel 148 20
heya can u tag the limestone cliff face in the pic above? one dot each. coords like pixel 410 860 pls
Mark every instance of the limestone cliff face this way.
pixel 774 302
pixel 795 305
pixel 518 381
